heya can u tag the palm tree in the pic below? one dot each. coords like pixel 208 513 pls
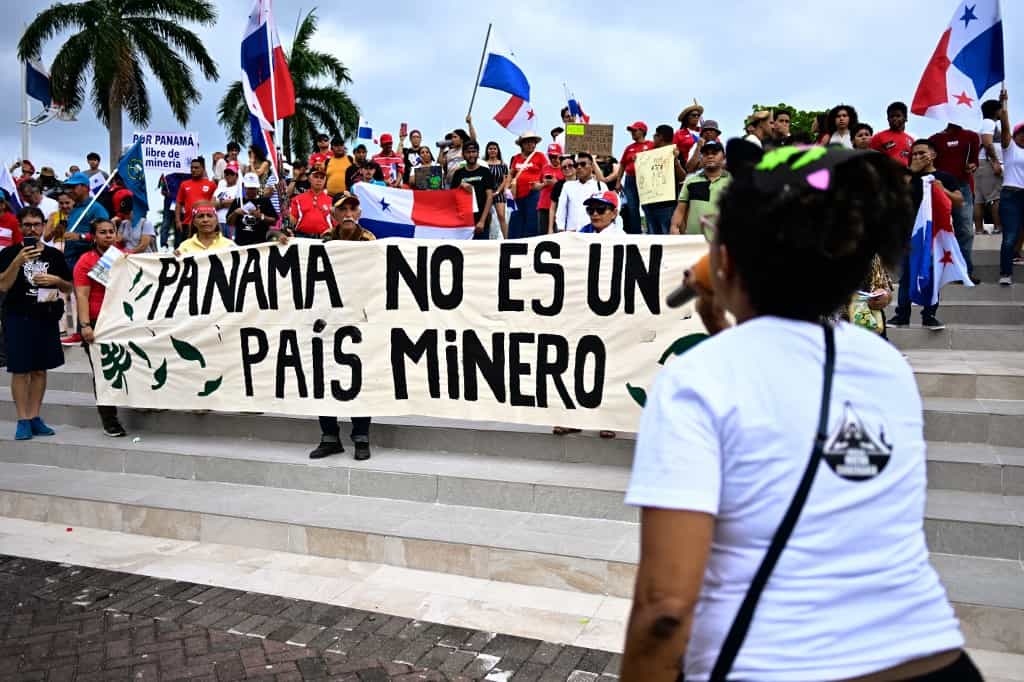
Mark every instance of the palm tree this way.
pixel 318 108
pixel 112 38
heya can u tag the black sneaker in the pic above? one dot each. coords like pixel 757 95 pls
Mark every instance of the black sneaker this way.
pixel 326 449
pixel 362 449
pixel 974 279
pixel 114 429
pixel 899 321
pixel 931 322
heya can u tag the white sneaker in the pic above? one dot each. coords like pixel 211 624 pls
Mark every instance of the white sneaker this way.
pixel 1006 280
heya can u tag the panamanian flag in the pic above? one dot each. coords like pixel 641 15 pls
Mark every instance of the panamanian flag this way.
pixel 425 214
pixel 966 64
pixel 264 64
pixel 935 256
pixel 516 116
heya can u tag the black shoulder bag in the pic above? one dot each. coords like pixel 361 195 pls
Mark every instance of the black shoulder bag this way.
pixel 745 614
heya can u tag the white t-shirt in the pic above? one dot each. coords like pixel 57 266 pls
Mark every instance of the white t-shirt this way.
pixel 223 193
pixel 728 430
pixel 990 127
pixel 754 139
pixel 1013 166
pixel 48 206
pixel 844 139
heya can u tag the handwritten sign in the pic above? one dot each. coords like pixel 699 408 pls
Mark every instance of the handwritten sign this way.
pixel 563 330
pixel 168 152
pixel 656 175
pixel 595 138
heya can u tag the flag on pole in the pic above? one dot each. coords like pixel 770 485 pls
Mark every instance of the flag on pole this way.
pixel 260 128
pixel 427 214
pixel 264 64
pixel 10 188
pixel 516 116
pixel 502 73
pixel 575 108
pixel 935 257
pixel 966 64
pixel 365 131
pixel 37 82
pixel 133 175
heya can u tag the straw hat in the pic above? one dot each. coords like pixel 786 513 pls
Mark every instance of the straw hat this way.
pixel 529 135
pixel 693 107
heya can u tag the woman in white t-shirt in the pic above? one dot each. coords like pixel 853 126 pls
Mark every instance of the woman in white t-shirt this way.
pixel 839 123
pixel 727 434
pixel 1011 196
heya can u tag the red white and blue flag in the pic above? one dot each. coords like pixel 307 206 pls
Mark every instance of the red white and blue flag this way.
pixel 935 256
pixel 516 116
pixel 966 64
pixel 264 64
pixel 426 214
pixel 260 127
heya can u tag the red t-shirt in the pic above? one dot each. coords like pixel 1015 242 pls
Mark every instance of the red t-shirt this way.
pixel 311 213
pixel 10 231
pixel 319 158
pixel 955 151
pixel 628 159
pixel 685 139
pixel 192 191
pixel 894 145
pixel 81 278
pixel 545 192
pixel 393 165
pixel 530 171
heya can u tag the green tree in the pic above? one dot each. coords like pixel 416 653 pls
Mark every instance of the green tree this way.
pixel 800 121
pixel 319 106
pixel 113 40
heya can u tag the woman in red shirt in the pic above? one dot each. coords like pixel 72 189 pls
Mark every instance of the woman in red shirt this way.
pixel 89 297
pixel 525 169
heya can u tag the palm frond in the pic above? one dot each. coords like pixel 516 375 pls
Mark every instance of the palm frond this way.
pixel 173 74
pixel 70 68
pixel 198 11
pixel 52 21
pixel 307 27
pixel 232 113
pixel 176 36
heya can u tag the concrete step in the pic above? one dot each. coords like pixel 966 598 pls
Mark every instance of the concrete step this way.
pixel 986 291
pixel 958 420
pixel 968 374
pixel 958 336
pixel 982 312
pixel 586 555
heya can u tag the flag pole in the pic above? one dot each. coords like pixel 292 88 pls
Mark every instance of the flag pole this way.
pixel 271 28
pixel 480 70
pixel 92 201
pixel 26 111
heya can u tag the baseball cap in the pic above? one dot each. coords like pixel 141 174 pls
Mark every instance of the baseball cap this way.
pixel 385 138
pixel 318 171
pixel 1017 128
pixel 712 147
pixel 345 198
pixel 711 124
pixel 78 178
pixel 638 125
pixel 607 198
pixel 554 149
pixel 250 180
pixel 231 166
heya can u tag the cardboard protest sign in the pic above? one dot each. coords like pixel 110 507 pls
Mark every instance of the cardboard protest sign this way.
pixel 656 174
pixel 168 152
pixel 567 330
pixel 595 138
pixel 427 177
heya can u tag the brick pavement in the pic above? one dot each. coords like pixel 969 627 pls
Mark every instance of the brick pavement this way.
pixel 63 622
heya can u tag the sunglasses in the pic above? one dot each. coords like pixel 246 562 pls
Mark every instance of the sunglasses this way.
pixel 597 210
pixel 709 226
pixel 582 164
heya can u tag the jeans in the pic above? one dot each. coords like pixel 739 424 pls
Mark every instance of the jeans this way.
pixel 659 218
pixel 963 225
pixel 165 228
pixel 523 222
pixel 903 296
pixel 631 211
pixel 1011 214
pixel 360 429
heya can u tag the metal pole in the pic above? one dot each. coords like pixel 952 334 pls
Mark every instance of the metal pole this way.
pixel 93 200
pixel 271 29
pixel 26 113
pixel 479 70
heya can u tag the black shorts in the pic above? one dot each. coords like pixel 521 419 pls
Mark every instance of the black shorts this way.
pixel 33 344
pixel 960 670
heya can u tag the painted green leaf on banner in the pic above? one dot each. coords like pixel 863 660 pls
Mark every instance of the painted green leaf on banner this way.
pixel 115 361
pixel 681 345
pixel 160 376
pixel 129 311
pixel 188 352
pixel 141 353
pixel 638 394
pixel 138 276
pixel 211 386
pixel 145 290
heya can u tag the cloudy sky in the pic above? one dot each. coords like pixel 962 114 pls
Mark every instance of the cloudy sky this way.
pixel 416 62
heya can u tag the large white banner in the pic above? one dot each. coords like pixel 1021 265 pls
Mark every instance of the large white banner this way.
pixel 168 152
pixel 566 330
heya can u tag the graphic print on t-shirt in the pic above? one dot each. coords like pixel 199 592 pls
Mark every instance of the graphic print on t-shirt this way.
pixel 853 452
pixel 30 269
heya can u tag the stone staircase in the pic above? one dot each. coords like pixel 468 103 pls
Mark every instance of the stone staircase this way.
pixel 515 503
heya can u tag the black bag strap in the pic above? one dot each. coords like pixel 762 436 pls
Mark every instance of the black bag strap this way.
pixel 745 614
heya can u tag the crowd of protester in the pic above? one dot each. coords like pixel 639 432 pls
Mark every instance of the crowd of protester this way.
pixel 50 245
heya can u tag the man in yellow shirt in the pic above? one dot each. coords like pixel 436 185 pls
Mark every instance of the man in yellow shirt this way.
pixel 207 235
pixel 339 162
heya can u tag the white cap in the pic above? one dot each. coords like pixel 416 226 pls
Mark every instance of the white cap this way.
pixel 250 180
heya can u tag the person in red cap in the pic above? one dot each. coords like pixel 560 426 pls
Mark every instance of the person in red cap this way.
pixel 550 175
pixel 390 161
pixel 627 169
pixel 133 236
pixel 602 209
pixel 311 211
